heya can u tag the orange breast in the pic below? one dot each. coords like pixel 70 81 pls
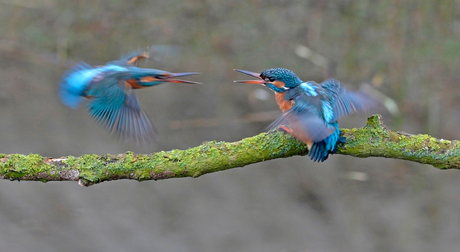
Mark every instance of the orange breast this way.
pixel 296 127
pixel 282 103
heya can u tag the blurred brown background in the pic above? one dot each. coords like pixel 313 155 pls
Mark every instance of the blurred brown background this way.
pixel 406 49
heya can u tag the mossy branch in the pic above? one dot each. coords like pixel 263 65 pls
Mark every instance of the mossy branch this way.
pixel 373 140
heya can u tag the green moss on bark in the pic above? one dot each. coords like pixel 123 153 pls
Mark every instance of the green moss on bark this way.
pixel 372 140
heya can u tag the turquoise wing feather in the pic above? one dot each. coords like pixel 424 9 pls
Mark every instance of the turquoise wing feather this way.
pixel 345 102
pixel 116 107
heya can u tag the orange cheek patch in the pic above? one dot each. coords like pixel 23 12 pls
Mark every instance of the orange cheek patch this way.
pixel 279 84
pixel 149 79
pixel 133 83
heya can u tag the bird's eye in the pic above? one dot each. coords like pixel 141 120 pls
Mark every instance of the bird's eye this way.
pixel 271 79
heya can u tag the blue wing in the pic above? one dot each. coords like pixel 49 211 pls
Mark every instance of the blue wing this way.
pixel 346 102
pixel 116 107
pixel 309 88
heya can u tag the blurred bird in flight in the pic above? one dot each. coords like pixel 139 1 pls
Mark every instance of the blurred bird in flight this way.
pixel 311 109
pixel 112 101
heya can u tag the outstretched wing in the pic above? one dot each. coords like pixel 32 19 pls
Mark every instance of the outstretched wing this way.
pixel 345 102
pixel 116 107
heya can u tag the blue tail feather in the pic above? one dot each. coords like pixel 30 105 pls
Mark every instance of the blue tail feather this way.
pixel 320 150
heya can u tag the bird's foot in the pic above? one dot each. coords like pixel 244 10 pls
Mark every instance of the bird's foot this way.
pixel 285 129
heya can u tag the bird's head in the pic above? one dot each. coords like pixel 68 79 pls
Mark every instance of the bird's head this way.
pixel 278 79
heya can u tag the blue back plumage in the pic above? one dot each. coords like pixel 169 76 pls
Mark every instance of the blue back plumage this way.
pixel 74 83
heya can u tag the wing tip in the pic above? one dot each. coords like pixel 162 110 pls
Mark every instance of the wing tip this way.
pixel 125 124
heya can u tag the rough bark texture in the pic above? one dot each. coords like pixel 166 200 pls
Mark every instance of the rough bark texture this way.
pixel 372 140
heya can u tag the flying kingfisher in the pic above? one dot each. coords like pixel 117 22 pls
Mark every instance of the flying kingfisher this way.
pixel 112 101
pixel 311 109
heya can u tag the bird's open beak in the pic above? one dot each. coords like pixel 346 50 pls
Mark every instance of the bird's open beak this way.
pixel 170 77
pixel 256 75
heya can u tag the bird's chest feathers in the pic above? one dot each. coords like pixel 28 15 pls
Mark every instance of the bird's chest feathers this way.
pixel 282 103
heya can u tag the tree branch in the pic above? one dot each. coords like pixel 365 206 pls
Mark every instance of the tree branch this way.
pixel 373 140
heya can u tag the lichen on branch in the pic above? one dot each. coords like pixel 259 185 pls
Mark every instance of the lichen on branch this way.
pixel 374 140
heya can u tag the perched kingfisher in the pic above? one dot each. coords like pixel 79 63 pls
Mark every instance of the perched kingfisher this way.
pixel 311 109
pixel 112 101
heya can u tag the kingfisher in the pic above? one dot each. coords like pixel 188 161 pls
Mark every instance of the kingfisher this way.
pixel 109 89
pixel 311 109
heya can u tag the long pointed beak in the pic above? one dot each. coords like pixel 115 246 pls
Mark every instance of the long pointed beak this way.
pixel 171 78
pixel 260 81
